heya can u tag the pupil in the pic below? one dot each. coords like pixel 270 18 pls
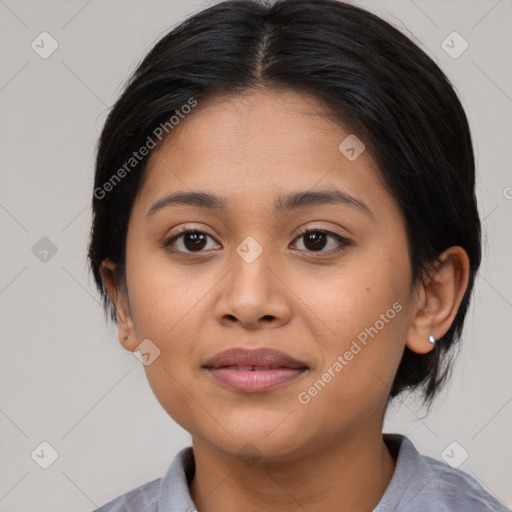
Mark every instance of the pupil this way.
pixel 315 240
pixel 197 241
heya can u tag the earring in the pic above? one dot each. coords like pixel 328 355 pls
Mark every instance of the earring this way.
pixel 431 339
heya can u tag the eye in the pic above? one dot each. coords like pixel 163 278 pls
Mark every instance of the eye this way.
pixel 187 241
pixel 315 240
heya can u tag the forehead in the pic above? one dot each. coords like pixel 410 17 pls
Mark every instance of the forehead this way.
pixel 250 146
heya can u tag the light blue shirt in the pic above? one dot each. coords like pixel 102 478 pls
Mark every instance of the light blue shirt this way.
pixel 419 484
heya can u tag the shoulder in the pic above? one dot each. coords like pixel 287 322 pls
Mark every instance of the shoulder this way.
pixel 165 493
pixel 423 483
pixel 457 490
pixel 141 499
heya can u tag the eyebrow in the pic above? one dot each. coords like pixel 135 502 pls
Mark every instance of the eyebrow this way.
pixel 284 203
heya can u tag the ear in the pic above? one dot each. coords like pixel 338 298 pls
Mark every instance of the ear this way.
pixel 119 295
pixel 438 300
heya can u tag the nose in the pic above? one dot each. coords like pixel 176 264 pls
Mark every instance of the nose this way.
pixel 254 294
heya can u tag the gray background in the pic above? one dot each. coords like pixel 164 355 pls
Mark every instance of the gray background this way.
pixel 65 379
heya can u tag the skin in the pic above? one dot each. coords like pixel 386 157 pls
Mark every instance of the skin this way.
pixel 309 304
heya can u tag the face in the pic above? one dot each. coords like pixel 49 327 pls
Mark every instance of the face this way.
pixel 337 299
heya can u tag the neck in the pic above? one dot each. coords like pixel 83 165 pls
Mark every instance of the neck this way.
pixel 354 472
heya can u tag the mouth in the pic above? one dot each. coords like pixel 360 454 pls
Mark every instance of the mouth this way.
pixel 254 379
pixel 256 370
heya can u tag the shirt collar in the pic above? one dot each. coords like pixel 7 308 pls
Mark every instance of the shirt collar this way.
pixel 175 494
pixel 174 490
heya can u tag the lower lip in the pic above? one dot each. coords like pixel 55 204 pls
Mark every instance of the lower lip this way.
pixel 252 381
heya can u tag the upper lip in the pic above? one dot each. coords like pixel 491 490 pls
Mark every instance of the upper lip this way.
pixel 253 357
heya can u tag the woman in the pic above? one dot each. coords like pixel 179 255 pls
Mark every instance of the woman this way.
pixel 285 228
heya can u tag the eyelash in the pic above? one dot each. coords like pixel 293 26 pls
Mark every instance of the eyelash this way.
pixel 343 242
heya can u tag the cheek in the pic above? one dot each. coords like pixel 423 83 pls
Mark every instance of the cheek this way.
pixel 166 316
pixel 349 300
pixel 167 302
pixel 163 293
pixel 365 308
